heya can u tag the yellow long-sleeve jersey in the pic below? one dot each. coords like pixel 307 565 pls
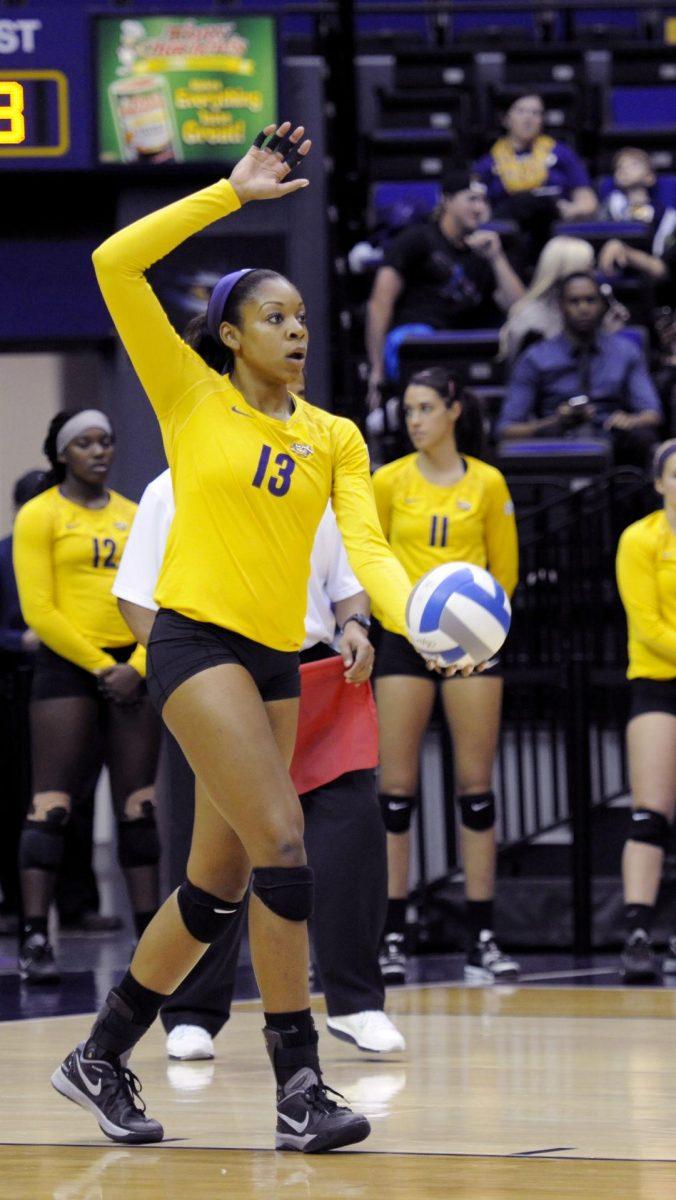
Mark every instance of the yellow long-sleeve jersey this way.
pixel 250 489
pixel 65 559
pixel 646 577
pixel 427 525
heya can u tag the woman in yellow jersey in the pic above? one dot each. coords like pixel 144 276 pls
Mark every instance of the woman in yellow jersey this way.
pixel 442 505
pixel 253 466
pixel 646 576
pixel 88 679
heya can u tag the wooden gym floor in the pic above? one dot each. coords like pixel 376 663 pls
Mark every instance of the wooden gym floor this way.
pixel 503 1094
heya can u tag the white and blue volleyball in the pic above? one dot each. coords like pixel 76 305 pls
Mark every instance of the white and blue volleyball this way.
pixel 458 614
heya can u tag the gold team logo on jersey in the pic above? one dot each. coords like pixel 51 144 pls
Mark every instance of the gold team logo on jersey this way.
pixel 464 505
pixel 302 449
pixel 120 525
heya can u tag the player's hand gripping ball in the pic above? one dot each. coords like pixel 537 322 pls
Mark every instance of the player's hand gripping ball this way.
pixel 458 615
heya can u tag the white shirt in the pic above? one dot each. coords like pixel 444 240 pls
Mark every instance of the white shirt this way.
pixel 331 578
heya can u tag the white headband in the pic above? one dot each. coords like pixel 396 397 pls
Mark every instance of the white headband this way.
pixel 91 417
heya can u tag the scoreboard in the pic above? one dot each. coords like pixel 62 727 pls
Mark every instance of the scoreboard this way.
pixel 82 89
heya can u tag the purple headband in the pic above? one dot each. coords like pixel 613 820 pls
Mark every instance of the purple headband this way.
pixel 218 300
pixel 662 458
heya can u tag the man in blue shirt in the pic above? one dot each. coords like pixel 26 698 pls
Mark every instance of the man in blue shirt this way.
pixel 584 381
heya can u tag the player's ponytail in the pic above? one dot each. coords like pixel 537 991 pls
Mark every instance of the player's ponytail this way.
pixel 197 334
pixel 215 354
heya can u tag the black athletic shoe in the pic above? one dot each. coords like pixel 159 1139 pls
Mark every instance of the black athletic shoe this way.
pixel 487 964
pixel 308 1121
pixel 392 958
pixel 36 960
pixel 111 1093
pixel 639 963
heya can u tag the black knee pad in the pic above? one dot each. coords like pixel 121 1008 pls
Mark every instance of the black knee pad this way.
pixel 286 891
pixel 137 842
pixel 397 812
pixel 206 917
pixel 41 845
pixel 649 827
pixel 477 812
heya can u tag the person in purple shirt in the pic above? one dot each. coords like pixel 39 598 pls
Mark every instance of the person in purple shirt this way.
pixel 584 382
pixel 533 179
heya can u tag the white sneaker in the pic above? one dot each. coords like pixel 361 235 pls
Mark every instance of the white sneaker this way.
pixel 189 1041
pixel 370 1030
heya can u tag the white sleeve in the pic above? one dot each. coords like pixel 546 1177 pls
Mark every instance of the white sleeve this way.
pixel 140 565
pixel 342 581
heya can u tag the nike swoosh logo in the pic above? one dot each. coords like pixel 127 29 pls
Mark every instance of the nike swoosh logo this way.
pixel 396 807
pixel 240 412
pixel 94 1091
pixel 478 807
pixel 641 817
pixel 299 1126
pixel 225 910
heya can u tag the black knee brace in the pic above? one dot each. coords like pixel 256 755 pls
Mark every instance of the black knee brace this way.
pixel 286 891
pixel 477 812
pixel 137 842
pixel 41 842
pixel 397 812
pixel 649 827
pixel 206 917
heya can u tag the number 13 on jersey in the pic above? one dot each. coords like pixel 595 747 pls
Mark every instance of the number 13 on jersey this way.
pixel 279 482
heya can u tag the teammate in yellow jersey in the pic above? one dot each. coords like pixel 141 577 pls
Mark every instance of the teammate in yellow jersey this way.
pixel 88 677
pixel 253 467
pixel 646 576
pixel 442 505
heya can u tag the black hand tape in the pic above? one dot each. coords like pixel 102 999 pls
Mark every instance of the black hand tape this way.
pixel 259 140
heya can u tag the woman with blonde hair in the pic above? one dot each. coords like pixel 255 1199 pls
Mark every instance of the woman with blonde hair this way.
pixel 538 314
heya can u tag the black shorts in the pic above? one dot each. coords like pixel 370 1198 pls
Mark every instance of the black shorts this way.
pixel 57 678
pixel 180 648
pixel 396 656
pixel 652 695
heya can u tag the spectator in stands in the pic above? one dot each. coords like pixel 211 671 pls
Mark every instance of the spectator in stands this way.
pixel 645 576
pixel 636 197
pixel 584 380
pixel 538 314
pixel 446 273
pixel 533 179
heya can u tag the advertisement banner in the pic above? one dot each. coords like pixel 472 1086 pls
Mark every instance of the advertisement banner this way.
pixel 184 89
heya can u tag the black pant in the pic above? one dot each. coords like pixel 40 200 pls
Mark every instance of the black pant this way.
pixel 345 845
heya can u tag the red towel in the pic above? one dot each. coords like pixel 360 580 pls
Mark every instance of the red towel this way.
pixel 337 726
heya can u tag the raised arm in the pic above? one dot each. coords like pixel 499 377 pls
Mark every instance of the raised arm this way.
pixel 165 365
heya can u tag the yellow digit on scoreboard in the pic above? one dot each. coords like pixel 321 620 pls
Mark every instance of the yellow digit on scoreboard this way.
pixel 12 122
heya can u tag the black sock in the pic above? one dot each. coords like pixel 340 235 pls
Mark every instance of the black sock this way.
pixel 395 922
pixel 291 1040
pixel 128 1012
pixel 296 1028
pixel 33 925
pixel 142 921
pixel 639 916
pixel 479 915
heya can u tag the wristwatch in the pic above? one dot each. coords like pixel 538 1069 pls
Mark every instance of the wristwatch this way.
pixel 365 622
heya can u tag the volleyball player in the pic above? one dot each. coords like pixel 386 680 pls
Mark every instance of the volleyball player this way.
pixel 646 576
pixel 441 505
pixel 253 467
pixel 333 770
pixel 88 678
